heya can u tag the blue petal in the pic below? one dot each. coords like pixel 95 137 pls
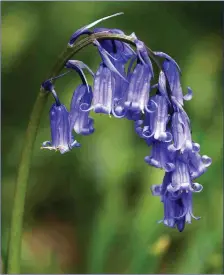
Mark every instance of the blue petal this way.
pixel 164 55
pixel 189 95
pixel 79 118
pixel 156 189
pixel 60 130
pixel 162 86
pixel 143 53
pixel 173 77
pixel 106 59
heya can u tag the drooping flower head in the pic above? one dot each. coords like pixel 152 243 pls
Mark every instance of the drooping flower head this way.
pixel 122 87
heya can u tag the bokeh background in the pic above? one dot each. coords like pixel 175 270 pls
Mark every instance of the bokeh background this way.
pixel 91 210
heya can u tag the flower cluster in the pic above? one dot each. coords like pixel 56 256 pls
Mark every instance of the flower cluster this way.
pixel 122 87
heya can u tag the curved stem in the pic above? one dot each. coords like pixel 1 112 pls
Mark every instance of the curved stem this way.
pixel 15 237
pixel 21 187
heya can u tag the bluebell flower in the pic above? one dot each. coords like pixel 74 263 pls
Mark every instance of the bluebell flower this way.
pixel 103 89
pixel 176 195
pixel 161 157
pixel 79 117
pixel 172 72
pixel 181 132
pixel 61 138
pixel 158 120
pixel 137 95
pixel 178 211
pixel 120 89
pixel 198 164
pixel 181 179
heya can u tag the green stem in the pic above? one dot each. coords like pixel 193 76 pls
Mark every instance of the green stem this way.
pixel 21 186
pixel 16 229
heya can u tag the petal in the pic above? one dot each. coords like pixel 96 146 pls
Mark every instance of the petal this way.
pixel 180 224
pixel 179 107
pixel 169 222
pixel 173 77
pixel 160 119
pixel 166 137
pixel 143 53
pixel 79 110
pixel 136 90
pixel 106 59
pixel 162 86
pixel 173 189
pixel 152 162
pixel 151 107
pixel 196 187
pixel 206 160
pixel 189 95
pixel 196 147
pixel 156 189
pixel 178 130
pixel 103 89
pixel 164 55
pixel 46 144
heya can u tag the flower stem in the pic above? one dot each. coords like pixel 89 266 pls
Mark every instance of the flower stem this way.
pixel 15 236
pixel 21 186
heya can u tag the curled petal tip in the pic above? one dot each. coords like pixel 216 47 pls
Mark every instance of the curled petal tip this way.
pixel 197 187
pixel 156 190
pixel 196 147
pixel 189 94
pixel 164 137
pixel 151 107
pixel 206 160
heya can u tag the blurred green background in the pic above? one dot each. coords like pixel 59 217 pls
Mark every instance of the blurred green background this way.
pixel 91 210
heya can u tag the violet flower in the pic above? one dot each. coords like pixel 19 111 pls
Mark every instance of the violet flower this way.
pixel 139 81
pixel 159 119
pixel 176 195
pixel 61 138
pixel 161 157
pixel 79 118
